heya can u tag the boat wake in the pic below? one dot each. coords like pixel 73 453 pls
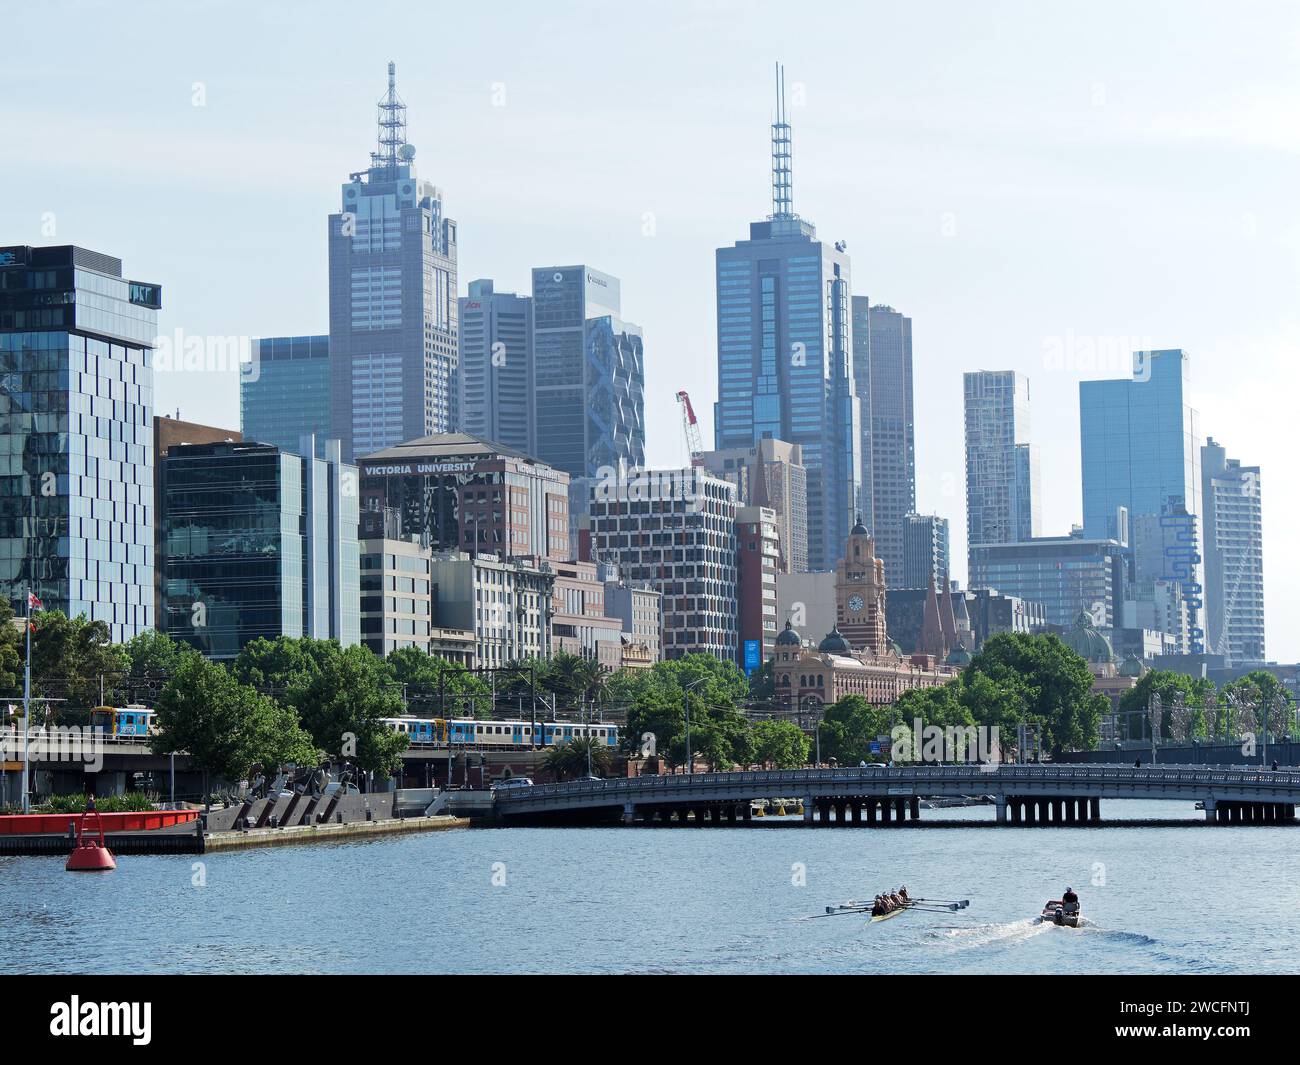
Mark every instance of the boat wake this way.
pixel 983 935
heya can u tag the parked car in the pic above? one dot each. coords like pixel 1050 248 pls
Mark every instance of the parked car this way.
pixel 512 783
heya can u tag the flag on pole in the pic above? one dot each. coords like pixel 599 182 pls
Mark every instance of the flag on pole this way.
pixel 33 603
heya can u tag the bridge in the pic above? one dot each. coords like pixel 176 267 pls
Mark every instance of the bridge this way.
pixel 868 796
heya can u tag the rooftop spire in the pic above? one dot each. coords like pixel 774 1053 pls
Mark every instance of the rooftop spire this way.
pixel 393 149
pixel 782 192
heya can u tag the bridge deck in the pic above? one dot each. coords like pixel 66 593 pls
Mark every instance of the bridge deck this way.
pixel 1228 784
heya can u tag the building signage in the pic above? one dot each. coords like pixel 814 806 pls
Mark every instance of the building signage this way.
pixel 420 467
pixel 13 256
pixel 752 656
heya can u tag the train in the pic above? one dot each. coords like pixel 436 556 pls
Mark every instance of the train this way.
pixel 122 722
pixel 469 732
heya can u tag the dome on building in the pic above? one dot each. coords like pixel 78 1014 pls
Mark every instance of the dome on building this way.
pixel 788 637
pixel 835 644
pixel 1132 667
pixel 1089 644
pixel 958 656
pixel 858 528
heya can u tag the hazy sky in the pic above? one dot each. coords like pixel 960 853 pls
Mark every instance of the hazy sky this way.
pixel 1022 179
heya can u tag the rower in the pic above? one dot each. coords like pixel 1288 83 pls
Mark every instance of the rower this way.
pixel 877 908
pixel 902 893
pixel 1069 901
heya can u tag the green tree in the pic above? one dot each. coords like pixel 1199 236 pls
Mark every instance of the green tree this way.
pixel 1269 699
pixel 1170 687
pixel 435 687
pixel 223 725
pixel 571 759
pixel 850 725
pixel 780 744
pixel 283 667
pixel 11 649
pixel 72 659
pixel 344 703
pixel 1054 682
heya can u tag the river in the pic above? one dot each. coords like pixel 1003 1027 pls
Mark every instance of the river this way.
pixel 676 900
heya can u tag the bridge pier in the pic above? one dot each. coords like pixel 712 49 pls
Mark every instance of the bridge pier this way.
pixel 1236 812
pixel 629 813
pixel 1094 810
pixel 809 808
pixel 916 808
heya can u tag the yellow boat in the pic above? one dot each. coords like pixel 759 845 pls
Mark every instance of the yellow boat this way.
pixel 893 913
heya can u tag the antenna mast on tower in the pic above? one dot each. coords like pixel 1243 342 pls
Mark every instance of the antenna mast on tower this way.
pixel 392 125
pixel 782 154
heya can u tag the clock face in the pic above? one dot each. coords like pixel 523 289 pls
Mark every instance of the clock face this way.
pixel 855 603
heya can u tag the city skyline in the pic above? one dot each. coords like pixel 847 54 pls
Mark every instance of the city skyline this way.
pixel 1115 240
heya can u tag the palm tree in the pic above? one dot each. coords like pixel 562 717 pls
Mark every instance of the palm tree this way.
pixel 571 759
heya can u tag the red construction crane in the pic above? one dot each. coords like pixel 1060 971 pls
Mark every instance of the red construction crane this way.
pixel 691 427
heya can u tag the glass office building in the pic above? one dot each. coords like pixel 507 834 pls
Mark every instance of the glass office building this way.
pixel 258 542
pixel 76 435
pixel 285 394
pixel 589 374
pixel 785 354
pixel 1067 575
pixel 1001 464
pixel 1141 451
pixel 1234 556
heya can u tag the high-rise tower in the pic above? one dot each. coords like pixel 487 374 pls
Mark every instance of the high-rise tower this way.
pixel 1001 463
pixel 785 352
pixel 1234 557
pixel 882 371
pixel 393 314
pixel 1140 446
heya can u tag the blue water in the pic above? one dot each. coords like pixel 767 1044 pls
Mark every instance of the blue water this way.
pixel 1171 899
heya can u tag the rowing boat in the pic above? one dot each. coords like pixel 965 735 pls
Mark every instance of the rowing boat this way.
pixel 893 913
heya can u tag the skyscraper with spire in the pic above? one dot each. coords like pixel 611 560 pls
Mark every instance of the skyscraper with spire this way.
pixel 393 313
pixel 785 352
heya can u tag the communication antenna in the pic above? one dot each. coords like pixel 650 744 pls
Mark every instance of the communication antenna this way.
pixel 782 154
pixel 392 127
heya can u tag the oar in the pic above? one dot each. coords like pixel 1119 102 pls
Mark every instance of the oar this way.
pixel 840 912
pixel 961 904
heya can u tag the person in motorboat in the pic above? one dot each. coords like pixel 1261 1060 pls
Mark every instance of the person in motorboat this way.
pixel 1069 902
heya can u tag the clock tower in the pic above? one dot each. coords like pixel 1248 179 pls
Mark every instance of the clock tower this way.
pixel 860 594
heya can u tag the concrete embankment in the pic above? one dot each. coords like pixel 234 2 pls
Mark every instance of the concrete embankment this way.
pixel 274 837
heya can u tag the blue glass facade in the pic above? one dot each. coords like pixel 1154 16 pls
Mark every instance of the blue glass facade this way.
pixel 1141 451
pixel 785 367
pixel 257 542
pixel 589 374
pixel 287 394
pixel 76 435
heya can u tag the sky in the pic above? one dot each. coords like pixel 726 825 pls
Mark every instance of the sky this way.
pixel 1030 182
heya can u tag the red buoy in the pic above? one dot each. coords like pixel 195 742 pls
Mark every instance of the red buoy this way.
pixel 88 856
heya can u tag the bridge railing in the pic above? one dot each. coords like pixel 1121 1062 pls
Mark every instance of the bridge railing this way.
pixel 987 778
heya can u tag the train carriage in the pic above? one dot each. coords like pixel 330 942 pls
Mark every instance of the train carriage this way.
pixel 471 732
pixel 123 722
